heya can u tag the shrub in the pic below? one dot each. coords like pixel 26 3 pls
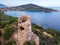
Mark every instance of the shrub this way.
pixel 13 20
pixel 0 42
pixel 8 31
pixel 0 33
pixel 2 24
pixel 10 42
pixel 29 43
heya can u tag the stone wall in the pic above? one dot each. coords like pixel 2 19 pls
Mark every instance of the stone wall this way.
pixel 25 31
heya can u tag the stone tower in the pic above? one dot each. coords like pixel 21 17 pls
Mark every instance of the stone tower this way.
pixel 25 31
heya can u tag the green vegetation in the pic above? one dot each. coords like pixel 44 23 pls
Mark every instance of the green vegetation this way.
pixel 8 31
pixel 55 33
pixel 0 42
pixel 7 22
pixel 29 43
pixel 44 40
pixel 0 33
pixel 10 42
pixel 5 19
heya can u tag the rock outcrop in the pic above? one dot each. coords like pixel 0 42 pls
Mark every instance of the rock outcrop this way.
pixel 25 31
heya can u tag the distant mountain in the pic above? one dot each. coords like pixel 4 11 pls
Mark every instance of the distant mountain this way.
pixel 33 7
pixel 28 7
pixel 2 6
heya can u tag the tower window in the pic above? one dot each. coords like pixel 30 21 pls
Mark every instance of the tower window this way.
pixel 23 20
pixel 21 28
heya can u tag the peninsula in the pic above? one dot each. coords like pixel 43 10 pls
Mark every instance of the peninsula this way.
pixel 27 7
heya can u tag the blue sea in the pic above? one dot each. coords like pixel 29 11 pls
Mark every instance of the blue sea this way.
pixel 44 19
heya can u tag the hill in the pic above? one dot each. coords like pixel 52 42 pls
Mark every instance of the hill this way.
pixel 8 25
pixel 33 7
pixel 2 6
pixel 28 7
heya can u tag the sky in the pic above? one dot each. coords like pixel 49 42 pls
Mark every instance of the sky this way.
pixel 45 3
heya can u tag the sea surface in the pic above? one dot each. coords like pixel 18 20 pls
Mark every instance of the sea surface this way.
pixel 44 19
